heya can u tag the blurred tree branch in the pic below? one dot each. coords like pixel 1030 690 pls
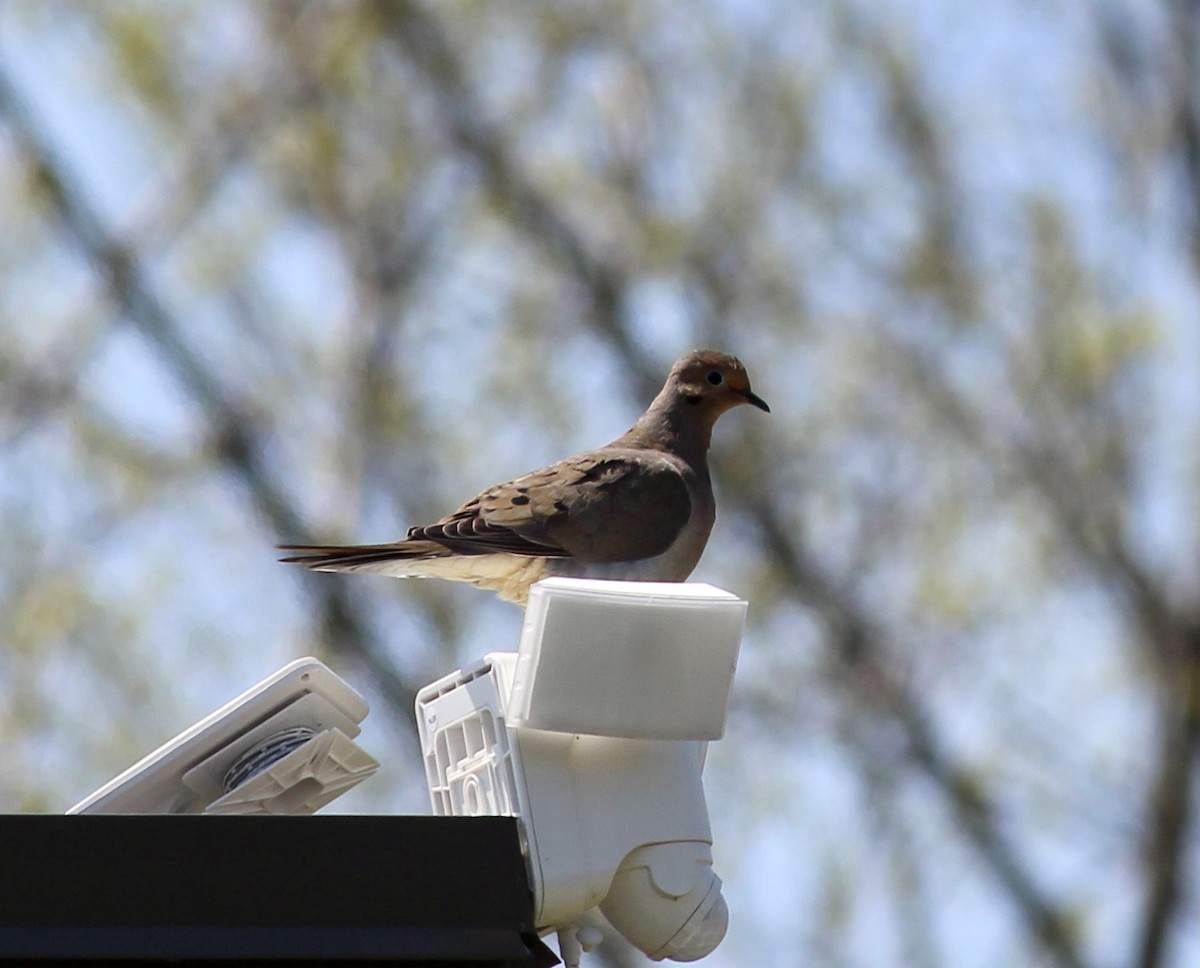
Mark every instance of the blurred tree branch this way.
pixel 417 32
pixel 1090 526
pixel 239 443
pixel 1184 91
pixel 1171 810
pixel 32 393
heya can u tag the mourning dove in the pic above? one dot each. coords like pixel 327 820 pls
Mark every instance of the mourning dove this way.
pixel 640 508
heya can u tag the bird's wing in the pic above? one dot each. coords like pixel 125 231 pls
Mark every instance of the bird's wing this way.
pixel 598 506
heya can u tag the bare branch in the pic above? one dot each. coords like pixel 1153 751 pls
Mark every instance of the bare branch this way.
pixel 240 446
pixel 1172 806
pixel 1171 639
pixel 417 32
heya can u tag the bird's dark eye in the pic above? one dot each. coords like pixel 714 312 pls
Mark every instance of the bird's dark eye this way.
pixel 715 378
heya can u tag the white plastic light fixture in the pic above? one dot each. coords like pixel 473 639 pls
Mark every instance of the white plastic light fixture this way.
pixel 642 660
pixel 593 735
pixel 285 746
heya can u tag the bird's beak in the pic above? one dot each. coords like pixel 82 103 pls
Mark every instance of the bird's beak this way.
pixel 751 397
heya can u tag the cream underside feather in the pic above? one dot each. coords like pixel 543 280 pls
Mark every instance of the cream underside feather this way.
pixel 509 576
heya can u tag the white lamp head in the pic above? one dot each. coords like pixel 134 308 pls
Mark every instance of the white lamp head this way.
pixel 285 746
pixel 641 660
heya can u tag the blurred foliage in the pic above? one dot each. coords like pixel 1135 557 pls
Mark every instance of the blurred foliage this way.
pixel 321 270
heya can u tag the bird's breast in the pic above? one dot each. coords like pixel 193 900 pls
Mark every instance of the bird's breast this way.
pixel 674 564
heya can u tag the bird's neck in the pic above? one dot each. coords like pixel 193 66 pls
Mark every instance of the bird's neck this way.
pixel 666 426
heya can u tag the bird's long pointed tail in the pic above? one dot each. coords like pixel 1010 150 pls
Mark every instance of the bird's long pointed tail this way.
pixel 360 557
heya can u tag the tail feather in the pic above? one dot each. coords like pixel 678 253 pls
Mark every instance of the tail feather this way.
pixel 352 557
pixel 508 575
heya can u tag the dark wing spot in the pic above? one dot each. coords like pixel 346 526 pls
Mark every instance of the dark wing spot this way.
pixel 521 499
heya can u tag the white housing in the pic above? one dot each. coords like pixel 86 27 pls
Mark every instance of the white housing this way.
pixel 643 660
pixel 284 746
pixel 624 681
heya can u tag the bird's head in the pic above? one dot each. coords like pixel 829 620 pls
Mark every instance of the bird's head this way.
pixel 713 382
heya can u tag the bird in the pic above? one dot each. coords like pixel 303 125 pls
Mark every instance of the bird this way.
pixel 640 508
